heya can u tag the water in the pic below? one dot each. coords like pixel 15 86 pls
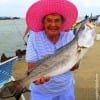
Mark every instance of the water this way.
pixel 11 32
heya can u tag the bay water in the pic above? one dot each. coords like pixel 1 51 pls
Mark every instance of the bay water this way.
pixel 11 36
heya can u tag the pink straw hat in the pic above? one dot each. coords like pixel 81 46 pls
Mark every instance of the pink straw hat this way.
pixel 42 8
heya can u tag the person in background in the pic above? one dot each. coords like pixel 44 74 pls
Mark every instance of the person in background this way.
pixel 3 57
pixel 48 20
pixel 86 17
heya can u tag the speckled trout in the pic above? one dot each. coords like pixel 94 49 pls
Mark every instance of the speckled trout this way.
pixel 60 62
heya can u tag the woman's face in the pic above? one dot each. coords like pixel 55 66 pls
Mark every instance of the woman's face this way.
pixel 52 24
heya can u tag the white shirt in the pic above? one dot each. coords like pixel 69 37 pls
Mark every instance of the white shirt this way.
pixel 39 46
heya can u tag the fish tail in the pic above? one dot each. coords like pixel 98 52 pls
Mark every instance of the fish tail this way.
pixel 15 89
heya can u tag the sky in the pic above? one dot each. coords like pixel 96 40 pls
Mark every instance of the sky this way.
pixel 18 8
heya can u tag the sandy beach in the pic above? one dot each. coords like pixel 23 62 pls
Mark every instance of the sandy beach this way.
pixel 87 77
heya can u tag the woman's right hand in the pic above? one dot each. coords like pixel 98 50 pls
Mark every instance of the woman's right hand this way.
pixel 42 80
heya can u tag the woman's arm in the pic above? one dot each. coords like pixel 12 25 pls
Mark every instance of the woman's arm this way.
pixel 26 32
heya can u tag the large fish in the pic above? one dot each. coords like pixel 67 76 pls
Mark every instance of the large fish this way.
pixel 60 62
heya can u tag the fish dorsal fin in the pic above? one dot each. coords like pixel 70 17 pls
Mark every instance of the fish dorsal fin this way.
pixel 39 62
pixel 43 59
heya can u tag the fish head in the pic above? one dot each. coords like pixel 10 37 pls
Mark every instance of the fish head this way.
pixel 86 34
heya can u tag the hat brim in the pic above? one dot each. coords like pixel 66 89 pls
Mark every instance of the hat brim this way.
pixel 42 8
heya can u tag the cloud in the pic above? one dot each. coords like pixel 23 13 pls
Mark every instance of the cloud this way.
pixel 87 6
pixel 13 7
pixel 19 7
pixel 3 2
pixel 87 3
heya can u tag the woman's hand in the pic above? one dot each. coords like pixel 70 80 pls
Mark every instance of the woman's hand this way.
pixel 42 80
pixel 76 66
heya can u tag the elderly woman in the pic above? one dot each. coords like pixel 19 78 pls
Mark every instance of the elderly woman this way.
pixel 48 20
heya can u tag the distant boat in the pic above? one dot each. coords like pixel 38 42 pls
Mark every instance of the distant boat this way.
pixel 9 18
